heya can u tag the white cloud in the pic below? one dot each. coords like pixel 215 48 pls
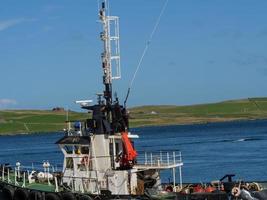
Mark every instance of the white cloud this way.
pixel 5 24
pixel 7 102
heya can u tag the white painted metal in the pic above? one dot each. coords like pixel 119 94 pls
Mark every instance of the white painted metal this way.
pixel 8 177
pixel 111 55
pixel 159 160
pixel 3 173
pixel 24 180
pixel 84 102
pixel 56 184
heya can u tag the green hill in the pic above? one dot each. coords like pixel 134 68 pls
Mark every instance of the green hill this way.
pixel 253 108
pixel 26 121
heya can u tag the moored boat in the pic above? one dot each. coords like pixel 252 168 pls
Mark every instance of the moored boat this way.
pixel 99 155
pixel 100 160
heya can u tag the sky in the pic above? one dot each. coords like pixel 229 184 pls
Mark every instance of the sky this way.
pixel 203 51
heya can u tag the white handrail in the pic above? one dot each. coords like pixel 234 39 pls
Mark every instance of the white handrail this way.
pixel 159 158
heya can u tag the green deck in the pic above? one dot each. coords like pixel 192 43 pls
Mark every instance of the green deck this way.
pixel 34 186
pixel 42 187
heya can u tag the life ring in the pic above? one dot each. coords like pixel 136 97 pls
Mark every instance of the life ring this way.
pixel 21 194
pixel 35 195
pixel 7 193
pixel 68 196
pixel 235 191
pixel 85 197
pixel 51 196
pixel 85 161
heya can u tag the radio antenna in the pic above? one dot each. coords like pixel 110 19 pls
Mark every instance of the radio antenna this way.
pixel 145 50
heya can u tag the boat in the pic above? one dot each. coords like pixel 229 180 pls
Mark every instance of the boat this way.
pixel 100 160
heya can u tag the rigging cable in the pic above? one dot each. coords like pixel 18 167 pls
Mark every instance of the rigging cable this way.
pixel 145 50
pixel 98 5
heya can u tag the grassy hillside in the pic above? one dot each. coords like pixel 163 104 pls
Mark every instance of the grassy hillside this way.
pixel 25 121
pixel 254 108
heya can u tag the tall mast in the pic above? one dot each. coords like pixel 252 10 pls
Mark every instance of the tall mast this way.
pixel 109 116
pixel 111 53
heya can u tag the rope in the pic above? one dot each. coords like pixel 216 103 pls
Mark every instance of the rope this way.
pixel 98 6
pixel 146 48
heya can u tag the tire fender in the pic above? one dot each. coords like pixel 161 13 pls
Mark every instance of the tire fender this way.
pixel 21 194
pixel 35 195
pixel 68 196
pixel 51 196
pixel 8 193
pixel 85 197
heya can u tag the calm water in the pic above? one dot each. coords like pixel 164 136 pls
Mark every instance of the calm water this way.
pixel 209 150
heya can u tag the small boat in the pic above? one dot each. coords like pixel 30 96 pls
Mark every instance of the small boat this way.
pixel 100 160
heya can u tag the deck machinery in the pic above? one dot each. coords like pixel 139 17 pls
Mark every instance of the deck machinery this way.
pixel 99 154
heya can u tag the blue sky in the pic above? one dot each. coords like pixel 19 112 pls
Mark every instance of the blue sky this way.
pixel 203 51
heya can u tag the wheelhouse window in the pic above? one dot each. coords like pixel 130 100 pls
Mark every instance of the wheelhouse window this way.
pixel 69 163
pixel 84 150
pixel 68 149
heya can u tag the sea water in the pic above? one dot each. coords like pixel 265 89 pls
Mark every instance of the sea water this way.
pixel 209 151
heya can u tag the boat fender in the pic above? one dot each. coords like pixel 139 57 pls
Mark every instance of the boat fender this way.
pixel 85 197
pixel 7 193
pixel 261 195
pixel 235 192
pixel 97 197
pixel 68 196
pixel 245 195
pixel 21 194
pixel 51 196
pixel 35 195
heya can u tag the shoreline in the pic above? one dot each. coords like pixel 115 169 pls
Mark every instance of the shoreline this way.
pixel 144 126
pixel 18 122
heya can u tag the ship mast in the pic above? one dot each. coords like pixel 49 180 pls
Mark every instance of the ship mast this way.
pixel 111 52
pixel 109 116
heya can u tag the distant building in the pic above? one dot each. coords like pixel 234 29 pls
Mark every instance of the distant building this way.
pixel 153 113
pixel 58 109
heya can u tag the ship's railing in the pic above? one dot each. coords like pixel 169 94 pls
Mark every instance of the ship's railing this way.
pixel 160 159
pixel 19 174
